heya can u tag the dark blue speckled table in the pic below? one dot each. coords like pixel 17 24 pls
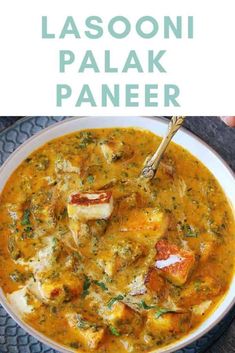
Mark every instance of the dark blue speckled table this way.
pixel 222 138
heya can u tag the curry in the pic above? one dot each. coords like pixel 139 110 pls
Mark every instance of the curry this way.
pixel 98 259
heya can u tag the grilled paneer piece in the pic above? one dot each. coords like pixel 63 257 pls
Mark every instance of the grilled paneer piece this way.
pixel 154 281
pixel 90 206
pixel 174 263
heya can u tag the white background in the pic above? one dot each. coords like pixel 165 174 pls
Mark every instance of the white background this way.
pixel 203 68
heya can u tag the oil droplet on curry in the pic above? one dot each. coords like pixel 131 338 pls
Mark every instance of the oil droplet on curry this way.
pixel 98 259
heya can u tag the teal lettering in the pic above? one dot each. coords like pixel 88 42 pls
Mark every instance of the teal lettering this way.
pixel 153 61
pixel 190 27
pixel 85 96
pixel 69 28
pixel 127 28
pixel 132 65
pixel 171 93
pixel 66 58
pixel 154 27
pixel 91 23
pixel 88 62
pixel 108 67
pixel 169 25
pixel 62 92
pixel 130 95
pixel 45 33
pixel 149 94
pixel 113 97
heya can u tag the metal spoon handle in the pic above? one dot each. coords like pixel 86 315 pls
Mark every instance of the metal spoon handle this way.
pixel 152 164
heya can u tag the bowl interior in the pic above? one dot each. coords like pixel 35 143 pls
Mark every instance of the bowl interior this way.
pixel 158 126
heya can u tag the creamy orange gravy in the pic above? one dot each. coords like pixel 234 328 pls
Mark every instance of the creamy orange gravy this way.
pixel 139 279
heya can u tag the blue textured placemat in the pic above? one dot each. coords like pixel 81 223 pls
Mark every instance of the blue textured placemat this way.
pixel 13 339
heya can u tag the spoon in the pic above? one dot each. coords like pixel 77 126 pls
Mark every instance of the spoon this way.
pixel 152 164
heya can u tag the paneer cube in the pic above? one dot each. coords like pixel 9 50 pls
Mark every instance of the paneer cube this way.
pixel 83 232
pixel 42 207
pixel 58 291
pixel 201 308
pixel 93 337
pixel 115 150
pixel 65 166
pixel 161 324
pixel 45 260
pixel 108 264
pixel 137 285
pixel 200 289
pixel 174 263
pixel 122 317
pixel 130 201
pixel 89 333
pixel 154 281
pixel 52 291
pixel 206 250
pixel 128 251
pixel 22 302
pixel 145 219
pixel 118 312
pixel 123 254
pixel 168 322
pixel 90 206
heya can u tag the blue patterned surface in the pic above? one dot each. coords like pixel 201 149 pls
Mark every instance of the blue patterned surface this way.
pixel 13 339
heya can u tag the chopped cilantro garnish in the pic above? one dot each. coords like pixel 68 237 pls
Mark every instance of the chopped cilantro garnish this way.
pixel 101 285
pixel 90 179
pixel 162 311
pixel 86 138
pixel 197 285
pixel 86 286
pixel 17 276
pixel 114 331
pixel 114 300
pixel 81 323
pixel 143 305
pixel 75 345
pixel 158 313
pixel 25 220
pixel 189 231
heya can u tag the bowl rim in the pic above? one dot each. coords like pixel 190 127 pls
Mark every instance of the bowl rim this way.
pixel 184 341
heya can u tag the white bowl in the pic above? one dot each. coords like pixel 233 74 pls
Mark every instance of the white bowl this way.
pixel 158 126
